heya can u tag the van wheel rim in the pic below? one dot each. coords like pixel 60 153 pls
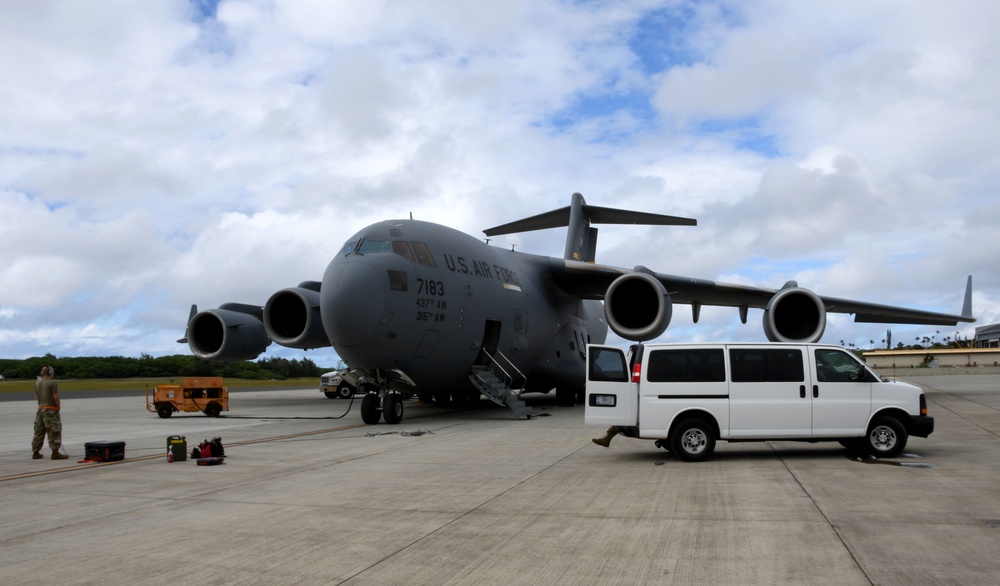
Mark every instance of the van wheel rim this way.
pixel 883 438
pixel 694 441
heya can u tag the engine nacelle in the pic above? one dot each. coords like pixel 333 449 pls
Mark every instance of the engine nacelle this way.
pixel 224 334
pixel 637 307
pixel 794 315
pixel 292 318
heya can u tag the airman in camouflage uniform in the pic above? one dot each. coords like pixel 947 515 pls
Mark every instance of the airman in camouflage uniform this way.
pixel 47 418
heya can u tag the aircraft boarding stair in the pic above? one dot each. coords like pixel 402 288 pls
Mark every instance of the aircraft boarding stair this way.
pixel 501 393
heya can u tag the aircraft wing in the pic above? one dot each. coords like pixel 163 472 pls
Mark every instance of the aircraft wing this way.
pixel 592 281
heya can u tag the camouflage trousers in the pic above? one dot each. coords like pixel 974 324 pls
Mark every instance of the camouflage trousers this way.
pixel 47 420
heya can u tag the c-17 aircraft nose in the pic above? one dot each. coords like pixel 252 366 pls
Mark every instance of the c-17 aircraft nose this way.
pixel 352 301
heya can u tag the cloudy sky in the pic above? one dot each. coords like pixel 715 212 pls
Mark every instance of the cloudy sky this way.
pixel 161 153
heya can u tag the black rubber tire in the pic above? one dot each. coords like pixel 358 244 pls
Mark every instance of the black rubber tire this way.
pixel 345 391
pixel 886 437
pixel 213 409
pixel 693 440
pixel 164 411
pixel 392 410
pixel 370 409
pixel 330 394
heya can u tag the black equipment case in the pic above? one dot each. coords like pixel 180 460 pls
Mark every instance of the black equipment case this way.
pixel 104 451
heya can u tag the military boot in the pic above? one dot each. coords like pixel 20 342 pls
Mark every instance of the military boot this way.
pixel 36 456
pixel 606 440
pixel 58 456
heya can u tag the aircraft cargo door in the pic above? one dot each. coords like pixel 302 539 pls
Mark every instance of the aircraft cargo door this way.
pixel 612 398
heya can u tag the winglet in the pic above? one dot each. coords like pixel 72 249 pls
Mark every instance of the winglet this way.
pixel 194 312
pixel 967 305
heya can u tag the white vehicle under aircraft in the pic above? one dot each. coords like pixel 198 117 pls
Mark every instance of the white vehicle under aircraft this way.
pixel 419 308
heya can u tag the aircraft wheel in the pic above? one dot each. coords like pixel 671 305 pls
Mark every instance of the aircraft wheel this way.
pixel 369 409
pixel 886 438
pixel 164 411
pixel 693 440
pixel 392 411
pixel 345 391
pixel 213 410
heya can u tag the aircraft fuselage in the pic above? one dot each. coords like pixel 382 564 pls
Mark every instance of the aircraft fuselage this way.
pixel 430 301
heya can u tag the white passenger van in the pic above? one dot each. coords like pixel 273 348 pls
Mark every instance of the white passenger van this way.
pixel 687 396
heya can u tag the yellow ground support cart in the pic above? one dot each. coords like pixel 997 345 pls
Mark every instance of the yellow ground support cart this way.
pixel 196 394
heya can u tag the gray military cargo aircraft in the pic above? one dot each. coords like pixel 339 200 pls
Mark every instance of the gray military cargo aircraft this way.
pixel 419 308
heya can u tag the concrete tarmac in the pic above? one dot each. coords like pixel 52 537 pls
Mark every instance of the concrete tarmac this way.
pixel 476 497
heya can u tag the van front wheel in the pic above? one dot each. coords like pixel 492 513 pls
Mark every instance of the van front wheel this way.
pixel 693 440
pixel 886 437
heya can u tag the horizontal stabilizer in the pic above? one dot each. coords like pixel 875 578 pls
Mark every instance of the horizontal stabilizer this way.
pixel 595 215
pixel 581 240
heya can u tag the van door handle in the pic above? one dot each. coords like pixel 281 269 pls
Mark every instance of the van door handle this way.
pixel 815 391
pixel 802 391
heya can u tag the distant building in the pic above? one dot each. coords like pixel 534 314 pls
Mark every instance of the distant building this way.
pixel 933 357
pixel 988 336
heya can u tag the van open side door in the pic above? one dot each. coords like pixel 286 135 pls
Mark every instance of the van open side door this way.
pixel 612 395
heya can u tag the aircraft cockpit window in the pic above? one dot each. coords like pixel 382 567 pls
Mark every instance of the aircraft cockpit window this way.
pixel 423 254
pixel 349 247
pixel 403 249
pixel 373 247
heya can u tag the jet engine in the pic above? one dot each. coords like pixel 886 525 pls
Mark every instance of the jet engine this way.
pixel 794 314
pixel 637 307
pixel 232 332
pixel 292 317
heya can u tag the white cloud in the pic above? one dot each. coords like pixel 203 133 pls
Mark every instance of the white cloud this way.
pixel 849 146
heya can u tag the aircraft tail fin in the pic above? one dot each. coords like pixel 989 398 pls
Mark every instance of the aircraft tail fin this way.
pixel 581 238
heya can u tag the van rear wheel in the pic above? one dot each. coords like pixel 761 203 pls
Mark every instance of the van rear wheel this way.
pixel 886 437
pixel 693 440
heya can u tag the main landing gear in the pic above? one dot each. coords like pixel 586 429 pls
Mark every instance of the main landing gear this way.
pixel 387 404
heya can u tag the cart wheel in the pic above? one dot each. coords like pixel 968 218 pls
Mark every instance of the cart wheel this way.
pixel 213 410
pixel 164 411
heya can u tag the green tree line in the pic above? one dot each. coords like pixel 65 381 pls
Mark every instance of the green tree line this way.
pixel 164 366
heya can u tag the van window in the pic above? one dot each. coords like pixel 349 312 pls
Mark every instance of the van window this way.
pixel 837 366
pixel 607 365
pixel 759 365
pixel 702 365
